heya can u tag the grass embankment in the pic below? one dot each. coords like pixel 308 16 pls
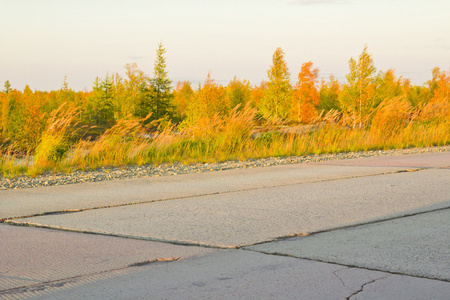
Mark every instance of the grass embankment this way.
pixel 393 125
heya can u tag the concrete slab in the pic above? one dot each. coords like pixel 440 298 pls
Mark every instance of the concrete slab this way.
pixel 229 209
pixel 416 245
pixel 421 160
pixel 30 256
pixel 238 274
pixel 27 202
pixel 254 216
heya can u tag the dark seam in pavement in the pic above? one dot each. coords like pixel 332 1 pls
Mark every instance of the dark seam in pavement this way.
pixel 243 247
pixel 2 220
pixel 174 242
pixel 345 265
pixel 362 287
pixel 286 237
pixel 61 282
pixel 186 243
pixel 410 168
pixel 415 170
pixel 38 287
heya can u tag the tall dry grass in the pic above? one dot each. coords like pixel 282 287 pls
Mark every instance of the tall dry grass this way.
pixel 54 143
pixel 12 164
pixel 216 138
pixel 122 144
pixel 394 124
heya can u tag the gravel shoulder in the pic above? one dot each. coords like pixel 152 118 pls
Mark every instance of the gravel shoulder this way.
pixel 133 171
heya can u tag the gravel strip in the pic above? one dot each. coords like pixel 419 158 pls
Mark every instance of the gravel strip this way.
pixel 110 173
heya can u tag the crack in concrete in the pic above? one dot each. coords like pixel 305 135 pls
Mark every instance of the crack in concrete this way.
pixel 341 280
pixel 62 282
pixel 38 287
pixel 367 283
pixel 3 220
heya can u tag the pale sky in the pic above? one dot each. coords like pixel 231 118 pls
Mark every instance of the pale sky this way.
pixel 41 41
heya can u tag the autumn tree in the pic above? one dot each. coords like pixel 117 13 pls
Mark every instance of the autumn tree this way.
pixel 34 119
pixel 22 116
pixel 183 95
pixel 434 81
pixel 64 94
pixel 4 109
pixel 437 106
pixel 213 96
pixel 329 94
pixel 387 86
pixel 12 114
pixel 357 98
pixel 439 85
pixel 258 93
pixel 4 113
pixel 277 98
pixel 414 93
pixel 119 100
pixel 134 83
pixel 210 100
pixel 306 95
pixel 238 93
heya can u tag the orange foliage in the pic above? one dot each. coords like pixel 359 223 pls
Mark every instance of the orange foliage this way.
pixel 382 101
pixel 442 89
pixel 238 93
pixel 34 119
pixel 183 94
pixel 306 95
pixel 209 101
pixel 258 93
pixel 213 95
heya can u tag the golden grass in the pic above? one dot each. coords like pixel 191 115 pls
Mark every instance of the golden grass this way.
pixel 395 124
pixel 54 142
pixel 11 164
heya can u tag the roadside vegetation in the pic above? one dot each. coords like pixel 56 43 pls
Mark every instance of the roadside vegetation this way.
pixel 143 119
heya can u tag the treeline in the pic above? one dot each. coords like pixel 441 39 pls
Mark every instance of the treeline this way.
pixel 359 103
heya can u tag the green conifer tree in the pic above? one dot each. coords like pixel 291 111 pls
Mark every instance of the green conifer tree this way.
pixel 157 96
pixel 100 104
pixel 7 87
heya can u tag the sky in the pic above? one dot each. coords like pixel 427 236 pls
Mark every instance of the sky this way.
pixel 42 41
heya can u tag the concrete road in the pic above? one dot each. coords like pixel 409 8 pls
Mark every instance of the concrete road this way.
pixel 349 229
pixel 416 245
pixel 28 202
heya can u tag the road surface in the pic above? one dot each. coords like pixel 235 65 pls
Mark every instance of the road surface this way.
pixel 367 228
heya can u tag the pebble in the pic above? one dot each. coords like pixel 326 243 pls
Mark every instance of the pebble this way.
pixel 173 169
